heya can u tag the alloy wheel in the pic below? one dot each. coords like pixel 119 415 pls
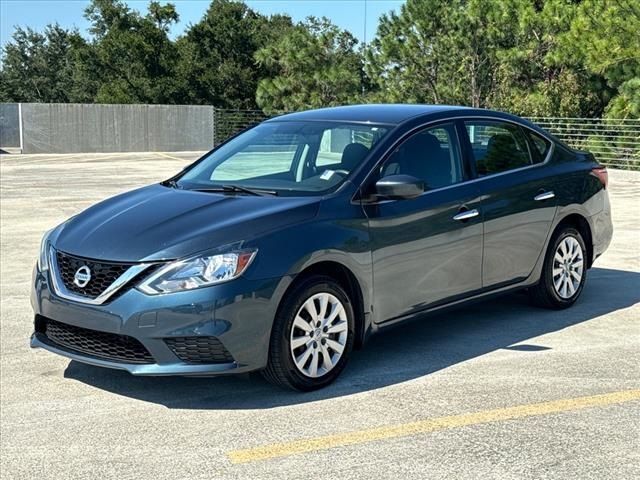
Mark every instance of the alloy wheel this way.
pixel 568 267
pixel 318 335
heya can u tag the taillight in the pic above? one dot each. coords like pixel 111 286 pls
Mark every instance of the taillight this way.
pixel 601 174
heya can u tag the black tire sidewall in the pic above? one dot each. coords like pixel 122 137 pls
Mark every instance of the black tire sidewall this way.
pixel 548 268
pixel 284 323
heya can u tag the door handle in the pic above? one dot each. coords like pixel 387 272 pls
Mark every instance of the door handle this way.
pixel 466 215
pixel 544 196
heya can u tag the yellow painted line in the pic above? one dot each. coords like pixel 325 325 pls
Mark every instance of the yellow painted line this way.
pixel 170 156
pixel 430 425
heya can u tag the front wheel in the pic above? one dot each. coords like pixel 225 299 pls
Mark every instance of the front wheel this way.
pixel 312 336
pixel 564 271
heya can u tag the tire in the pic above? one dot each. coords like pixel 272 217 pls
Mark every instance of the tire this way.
pixel 559 286
pixel 317 344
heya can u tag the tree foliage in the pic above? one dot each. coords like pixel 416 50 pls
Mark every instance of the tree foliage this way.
pixel 39 67
pixel 131 59
pixel 217 54
pixel 315 64
pixel 534 79
pixel 483 53
pixel 605 37
pixel 533 57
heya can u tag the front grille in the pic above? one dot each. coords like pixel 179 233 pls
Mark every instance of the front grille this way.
pixel 199 349
pixel 103 274
pixel 110 346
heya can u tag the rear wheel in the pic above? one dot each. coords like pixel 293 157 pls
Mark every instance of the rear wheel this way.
pixel 564 271
pixel 312 336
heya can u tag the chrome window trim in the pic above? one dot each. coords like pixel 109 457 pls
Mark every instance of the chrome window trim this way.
pixel 61 291
pixel 356 198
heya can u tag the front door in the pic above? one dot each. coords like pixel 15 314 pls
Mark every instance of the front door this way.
pixel 426 250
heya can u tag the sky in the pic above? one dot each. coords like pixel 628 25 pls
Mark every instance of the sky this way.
pixel 347 14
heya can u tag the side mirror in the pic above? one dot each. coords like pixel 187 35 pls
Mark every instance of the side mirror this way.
pixel 399 187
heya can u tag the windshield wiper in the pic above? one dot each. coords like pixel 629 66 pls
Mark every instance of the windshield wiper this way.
pixel 238 189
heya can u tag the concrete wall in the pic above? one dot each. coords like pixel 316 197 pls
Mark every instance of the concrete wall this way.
pixel 78 128
pixel 9 125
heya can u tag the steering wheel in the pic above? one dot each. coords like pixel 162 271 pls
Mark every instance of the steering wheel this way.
pixel 342 172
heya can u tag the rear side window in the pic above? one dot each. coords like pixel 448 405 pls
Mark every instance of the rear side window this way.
pixel 431 155
pixel 541 147
pixel 497 146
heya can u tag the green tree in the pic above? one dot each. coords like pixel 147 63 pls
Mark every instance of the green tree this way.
pixel 484 53
pixel 626 104
pixel 441 51
pixel 533 57
pixel 605 37
pixel 217 65
pixel 38 67
pixel 315 65
pixel 533 79
pixel 131 59
pixel 406 58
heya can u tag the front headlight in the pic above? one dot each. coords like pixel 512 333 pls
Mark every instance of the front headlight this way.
pixel 198 272
pixel 43 259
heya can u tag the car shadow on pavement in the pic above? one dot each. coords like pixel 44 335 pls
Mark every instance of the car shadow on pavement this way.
pixel 404 353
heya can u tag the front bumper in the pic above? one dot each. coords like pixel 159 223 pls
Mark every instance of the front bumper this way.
pixel 239 314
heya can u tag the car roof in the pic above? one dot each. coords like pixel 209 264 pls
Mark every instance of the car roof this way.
pixel 394 114
pixel 391 114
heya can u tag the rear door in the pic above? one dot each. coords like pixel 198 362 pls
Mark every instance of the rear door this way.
pixel 519 201
pixel 428 249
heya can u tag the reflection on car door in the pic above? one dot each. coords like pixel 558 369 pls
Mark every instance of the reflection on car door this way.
pixel 422 255
pixel 518 203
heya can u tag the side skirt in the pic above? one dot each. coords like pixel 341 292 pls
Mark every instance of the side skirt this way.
pixel 452 305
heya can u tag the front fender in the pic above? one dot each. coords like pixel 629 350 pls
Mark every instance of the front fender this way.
pixel 339 234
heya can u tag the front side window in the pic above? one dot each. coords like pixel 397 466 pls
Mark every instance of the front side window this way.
pixel 432 155
pixel 291 158
pixel 497 146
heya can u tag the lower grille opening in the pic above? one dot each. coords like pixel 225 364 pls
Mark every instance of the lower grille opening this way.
pixel 199 349
pixel 93 343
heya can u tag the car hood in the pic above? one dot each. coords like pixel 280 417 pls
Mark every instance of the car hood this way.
pixel 160 223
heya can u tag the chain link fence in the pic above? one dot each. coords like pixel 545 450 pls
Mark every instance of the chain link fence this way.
pixel 614 142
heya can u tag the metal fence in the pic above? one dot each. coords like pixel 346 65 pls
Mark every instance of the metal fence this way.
pixel 614 142
pixel 63 128
pixel 229 122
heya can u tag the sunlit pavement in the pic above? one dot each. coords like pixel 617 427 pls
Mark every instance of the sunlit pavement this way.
pixel 496 390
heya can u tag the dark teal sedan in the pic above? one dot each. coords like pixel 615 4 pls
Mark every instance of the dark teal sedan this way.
pixel 286 247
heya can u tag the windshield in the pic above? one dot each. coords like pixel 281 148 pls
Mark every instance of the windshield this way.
pixel 290 158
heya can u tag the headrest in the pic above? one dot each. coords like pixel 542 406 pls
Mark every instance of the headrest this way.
pixel 419 146
pixel 502 142
pixel 352 155
pixel 499 156
pixel 429 142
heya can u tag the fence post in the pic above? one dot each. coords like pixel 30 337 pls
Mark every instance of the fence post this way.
pixel 215 126
pixel 20 127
